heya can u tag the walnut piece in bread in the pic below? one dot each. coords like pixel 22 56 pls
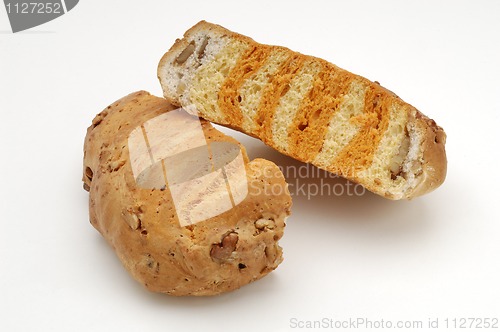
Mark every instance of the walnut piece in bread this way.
pixel 136 206
pixel 307 108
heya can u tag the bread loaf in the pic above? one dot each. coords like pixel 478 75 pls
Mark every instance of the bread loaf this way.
pixel 183 221
pixel 306 108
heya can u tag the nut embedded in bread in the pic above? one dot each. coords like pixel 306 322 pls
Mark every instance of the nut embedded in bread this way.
pixel 181 220
pixel 306 108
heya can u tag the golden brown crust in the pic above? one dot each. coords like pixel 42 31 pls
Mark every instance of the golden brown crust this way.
pixel 142 225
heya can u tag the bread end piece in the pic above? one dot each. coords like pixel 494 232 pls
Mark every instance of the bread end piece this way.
pixel 433 157
pixel 306 108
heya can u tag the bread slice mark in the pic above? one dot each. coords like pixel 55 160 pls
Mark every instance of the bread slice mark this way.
pixel 229 95
pixel 309 127
pixel 341 128
pixel 357 156
pixel 209 78
pixel 275 89
pixel 290 103
pixel 252 89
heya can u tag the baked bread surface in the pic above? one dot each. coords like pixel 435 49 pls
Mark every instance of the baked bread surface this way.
pixel 140 220
pixel 307 108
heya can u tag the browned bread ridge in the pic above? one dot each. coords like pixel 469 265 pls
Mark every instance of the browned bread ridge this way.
pixel 307 108
pixel 133 206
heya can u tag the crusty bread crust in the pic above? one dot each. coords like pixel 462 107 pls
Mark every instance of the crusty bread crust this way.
pixel 213 256
pixel 406 171
pixel 434 156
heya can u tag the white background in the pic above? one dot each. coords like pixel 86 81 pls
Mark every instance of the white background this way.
pixel 345 257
